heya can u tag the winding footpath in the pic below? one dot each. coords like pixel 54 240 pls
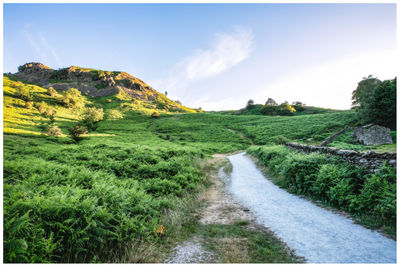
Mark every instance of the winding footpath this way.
pixel 319 235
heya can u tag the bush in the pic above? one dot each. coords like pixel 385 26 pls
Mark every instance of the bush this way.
pixel 54 131
pixel 52 92
pixel 29 104
pixel 72 98
pixel 285 109
pixel 269 110
pixel 280 140
pixel 23 92
pixel 48 113
pixel 77 131
pixel 93 116
pixel 115 114
pixel 41 107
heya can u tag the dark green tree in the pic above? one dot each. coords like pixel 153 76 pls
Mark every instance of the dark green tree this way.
pixel 383 104
pixel 362 97
pixel 250 104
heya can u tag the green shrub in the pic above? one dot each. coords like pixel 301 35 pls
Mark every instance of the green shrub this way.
pixel 51 92
pixel 54 131
pixel 115 114
pixel 23 92
pixel 77 131
pixel 29 104
pixel 92 116
pixel 48 113
pixel 72 98
pixel 41 107
pixel 285 109
pixel 301 171
pixel 280 140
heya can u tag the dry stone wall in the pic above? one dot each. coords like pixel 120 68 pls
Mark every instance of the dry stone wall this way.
pixel 369 160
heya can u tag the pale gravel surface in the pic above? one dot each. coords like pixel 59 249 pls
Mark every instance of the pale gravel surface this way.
pixel 317 234
pixel 190 251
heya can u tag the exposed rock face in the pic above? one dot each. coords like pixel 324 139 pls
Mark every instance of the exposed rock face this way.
pixel 369 160
pixel 373 135
pixel 90 82
pixel 34 72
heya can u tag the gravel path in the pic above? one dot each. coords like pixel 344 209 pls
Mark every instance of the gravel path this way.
pixel 190 251
pixel 319 235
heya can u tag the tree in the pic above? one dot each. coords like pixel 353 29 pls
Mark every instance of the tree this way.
pixel 383 105
pixel 166 93
pixel 364 92
pixel 271 102
pixel 250 104
pixel 299 106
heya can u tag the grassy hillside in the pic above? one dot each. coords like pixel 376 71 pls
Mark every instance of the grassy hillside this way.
pixel 129 182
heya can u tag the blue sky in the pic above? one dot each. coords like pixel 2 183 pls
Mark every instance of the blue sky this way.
pixel 214 56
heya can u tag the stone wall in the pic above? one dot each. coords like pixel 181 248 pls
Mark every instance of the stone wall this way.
pixel 369 160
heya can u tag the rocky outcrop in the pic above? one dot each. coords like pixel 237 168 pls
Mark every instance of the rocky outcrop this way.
pixel 372 135
pixel 369 160
pixel 34 72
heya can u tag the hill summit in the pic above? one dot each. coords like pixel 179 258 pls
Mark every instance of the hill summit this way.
pixel 91 82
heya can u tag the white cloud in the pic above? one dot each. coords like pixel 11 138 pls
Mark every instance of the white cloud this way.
pixel 227 50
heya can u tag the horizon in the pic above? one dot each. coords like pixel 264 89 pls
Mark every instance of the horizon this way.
pixel 316 54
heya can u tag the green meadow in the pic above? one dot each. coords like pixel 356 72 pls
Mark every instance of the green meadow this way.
pixel 91 200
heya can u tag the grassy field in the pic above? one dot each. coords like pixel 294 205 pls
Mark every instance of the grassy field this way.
pixel 109 196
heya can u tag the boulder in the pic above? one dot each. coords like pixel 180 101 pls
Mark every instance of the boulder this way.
pixel 372 135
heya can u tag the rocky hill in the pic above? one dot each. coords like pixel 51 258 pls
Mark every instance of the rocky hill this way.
pixel 92 82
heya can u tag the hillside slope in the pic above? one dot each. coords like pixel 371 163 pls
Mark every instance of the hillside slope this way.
pixel 95 83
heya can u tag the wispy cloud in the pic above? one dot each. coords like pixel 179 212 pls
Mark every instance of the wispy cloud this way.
pixel 45 52
pixel 226 51
pixel 34 45
pixel 51 49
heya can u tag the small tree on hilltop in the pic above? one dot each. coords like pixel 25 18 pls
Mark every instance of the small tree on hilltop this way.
pixel 271 102
pixel 299 106
pixel 250 104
